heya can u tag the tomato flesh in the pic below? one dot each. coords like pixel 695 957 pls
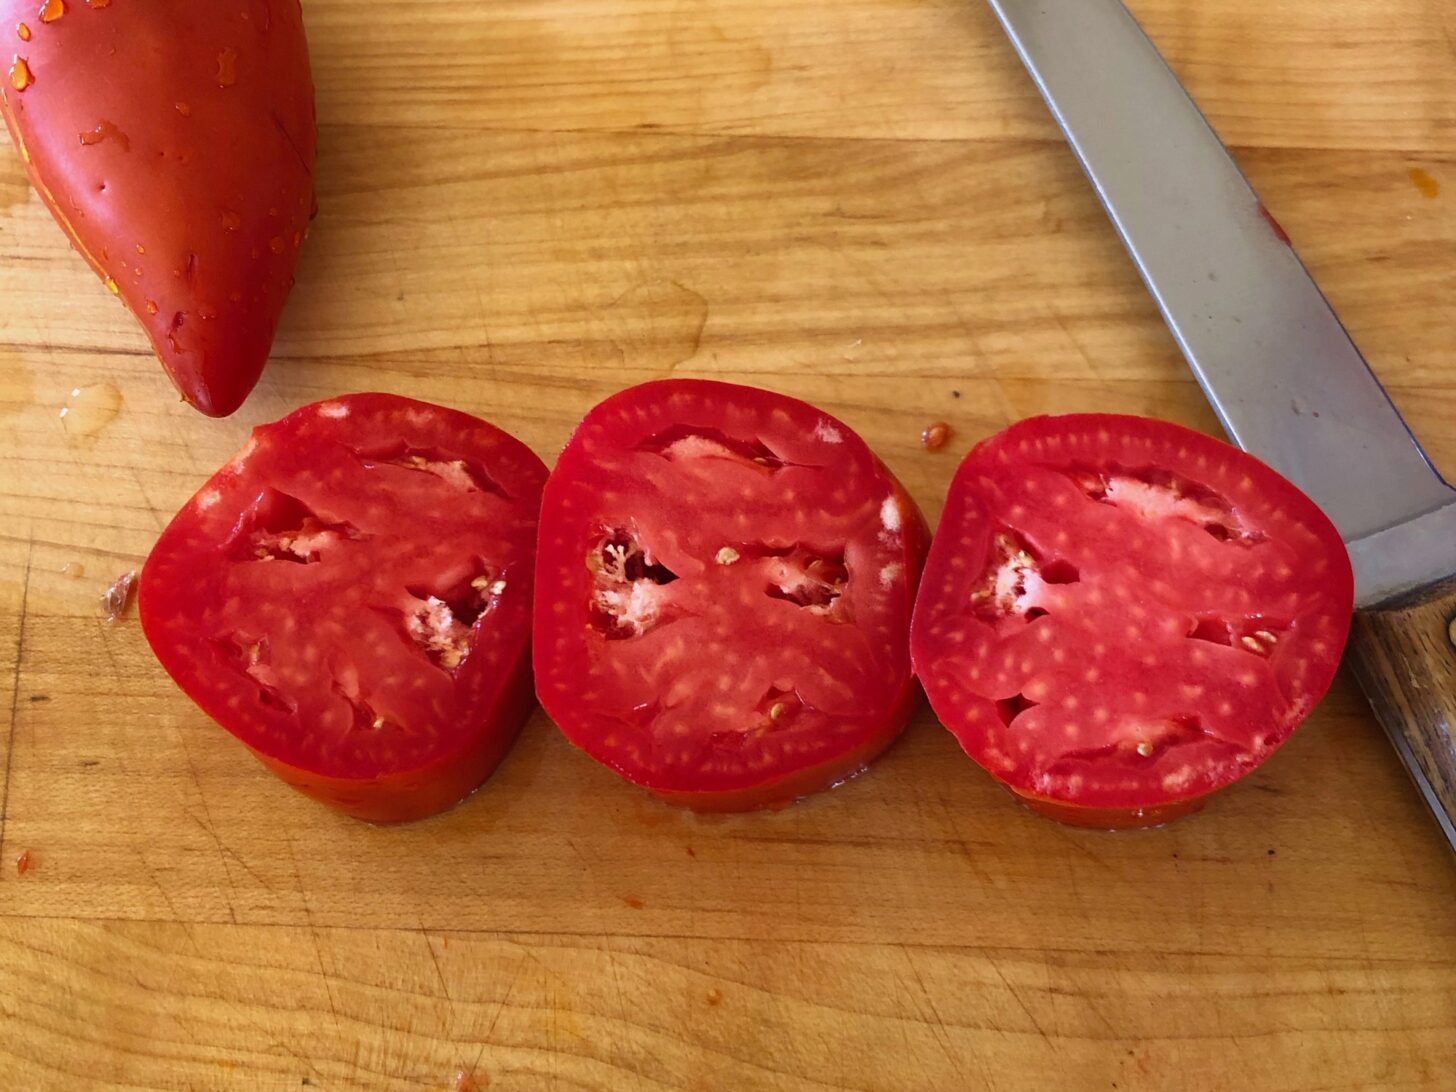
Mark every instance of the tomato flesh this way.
pixel 727 579
pixel 1122 616
pixel 351 598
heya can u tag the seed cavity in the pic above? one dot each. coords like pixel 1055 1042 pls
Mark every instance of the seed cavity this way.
pixel 363 716
pixel 1257 634
pixel 280 527
pixel 811 578
pixel 439 620
pixel 1155 494
pixel 465 474
pixel 1008 709
pixel 683 443
pixel 252 658
pixel 776 711
pixel 1014 580
pixel 1145 744
pixel 626 599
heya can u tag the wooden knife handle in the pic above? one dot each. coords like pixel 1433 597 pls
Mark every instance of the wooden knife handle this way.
pixel 1404 654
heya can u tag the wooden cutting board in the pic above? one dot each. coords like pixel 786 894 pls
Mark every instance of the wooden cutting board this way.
pixel 526 206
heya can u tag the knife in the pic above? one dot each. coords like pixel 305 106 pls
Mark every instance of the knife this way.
pixel 1280 370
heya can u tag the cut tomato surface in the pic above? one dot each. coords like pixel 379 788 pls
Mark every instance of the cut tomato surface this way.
pixel 351 598
pixel 727 578
pixel 1120 616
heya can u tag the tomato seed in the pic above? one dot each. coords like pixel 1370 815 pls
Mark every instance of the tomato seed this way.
pixel 22 863
pixel 52 10
pixel 24 32
pixel 934 438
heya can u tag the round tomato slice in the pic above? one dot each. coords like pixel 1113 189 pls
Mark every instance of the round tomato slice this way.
pixel 1120 616
pixel 351 598
pixel 727 578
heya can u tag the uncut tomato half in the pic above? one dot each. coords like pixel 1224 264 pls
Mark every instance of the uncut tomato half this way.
pixel 351 598
pixel 1120 616
pixel 727 577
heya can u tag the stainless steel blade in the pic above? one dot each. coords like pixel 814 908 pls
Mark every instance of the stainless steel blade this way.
pixel 1280 370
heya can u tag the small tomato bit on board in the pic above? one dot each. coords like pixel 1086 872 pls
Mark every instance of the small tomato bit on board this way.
pixel 934 438
pixel 118 597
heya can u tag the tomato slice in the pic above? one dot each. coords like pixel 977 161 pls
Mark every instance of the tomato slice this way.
pixel 727 578
pixel 351 598
pixel 1121 616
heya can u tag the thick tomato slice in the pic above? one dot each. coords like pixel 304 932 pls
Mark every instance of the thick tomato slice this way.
pixel 351 598
pixel 727 578
pixel 1120 616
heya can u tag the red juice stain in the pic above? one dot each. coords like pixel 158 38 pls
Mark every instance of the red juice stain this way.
pixel 1279 232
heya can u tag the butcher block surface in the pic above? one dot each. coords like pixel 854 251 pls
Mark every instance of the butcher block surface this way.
pixel 526 206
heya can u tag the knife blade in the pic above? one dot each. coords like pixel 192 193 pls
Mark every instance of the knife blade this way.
pixel 1280 370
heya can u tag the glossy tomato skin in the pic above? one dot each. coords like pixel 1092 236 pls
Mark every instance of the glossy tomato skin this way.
pixel 429 790
pixel 727 576
pixel 174 143
pixel 351 598
pixel 1121 617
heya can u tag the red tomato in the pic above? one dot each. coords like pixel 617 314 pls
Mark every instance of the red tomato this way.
pixel 727 582
pixel 351 598
pixel 1120 616
pixel 174 143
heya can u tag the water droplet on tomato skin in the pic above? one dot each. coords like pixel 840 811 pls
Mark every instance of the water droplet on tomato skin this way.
pixel 21 76
pixel 103 131
pixel 99 3
pixel 227 67
pixel 183 109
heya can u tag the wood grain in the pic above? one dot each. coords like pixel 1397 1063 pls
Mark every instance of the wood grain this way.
pixel 1404 654
pixel 526 206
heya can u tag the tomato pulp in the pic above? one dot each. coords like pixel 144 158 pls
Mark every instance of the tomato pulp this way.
pixel 1121 616
pixel 351 598
pixel 727 577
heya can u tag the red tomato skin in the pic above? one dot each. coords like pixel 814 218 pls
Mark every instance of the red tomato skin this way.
pixel 1074 815
pixel 777 789
pixel 964 510
pixel 419 794
pixel 174 143
pixel 478 744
